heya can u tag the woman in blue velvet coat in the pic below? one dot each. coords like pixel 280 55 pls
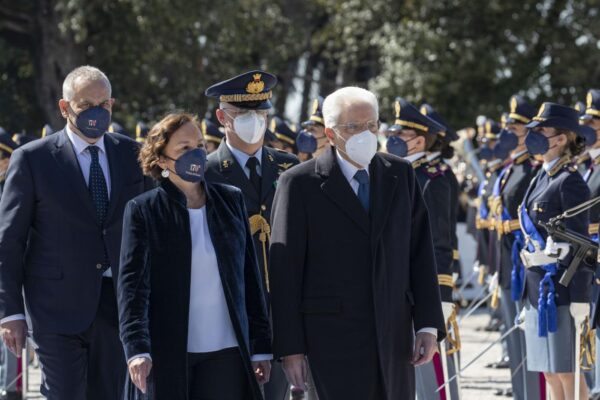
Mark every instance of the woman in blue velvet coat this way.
pixel 192 312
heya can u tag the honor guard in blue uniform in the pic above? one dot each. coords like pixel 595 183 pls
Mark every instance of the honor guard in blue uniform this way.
pixel 507 194
pixel 115 127
pixel 47 130
pixel 212 134
pixel 413 135
pixel 9 364
pixel 141 132
pixel 243 161
pixel 584 161
pixel 553 312
pixel 590 120
pixel 446 152
pixel 22 138
pixel 316 126
pixel 490 131
pixel 286 137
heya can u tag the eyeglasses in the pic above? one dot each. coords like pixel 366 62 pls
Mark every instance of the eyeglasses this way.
pixel 358 127
pixel 231 112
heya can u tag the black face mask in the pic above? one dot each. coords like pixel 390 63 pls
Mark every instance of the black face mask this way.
pixel 93 122
pixel 190 165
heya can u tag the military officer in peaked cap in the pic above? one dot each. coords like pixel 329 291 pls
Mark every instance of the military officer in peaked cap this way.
pixel 212 134
pixel 243 161
pixel 413 134
pixel 286 137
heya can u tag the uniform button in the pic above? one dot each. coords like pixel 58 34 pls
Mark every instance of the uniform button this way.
pixel 104 232
pixel 98 266
pixel 263 207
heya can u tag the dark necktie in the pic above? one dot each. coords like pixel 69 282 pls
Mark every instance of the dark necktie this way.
pixel 363 188
pixel 252 164
pixel 97 186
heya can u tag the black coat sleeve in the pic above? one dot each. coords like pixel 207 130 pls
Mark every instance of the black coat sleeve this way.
pixel 575 191
pixel 17 210
pixel 287 256
pixel 133 287
pixel 256 308
pixel 423 280
pixel 437 193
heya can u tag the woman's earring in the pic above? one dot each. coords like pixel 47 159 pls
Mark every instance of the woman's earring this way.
pixel 165 173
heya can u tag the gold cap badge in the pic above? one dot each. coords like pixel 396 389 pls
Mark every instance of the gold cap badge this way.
pixel 256 86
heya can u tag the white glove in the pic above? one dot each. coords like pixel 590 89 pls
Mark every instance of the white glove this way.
pixel 476 266
pixel 556 250
pixel 493 282
pixel 447 310
pixel 520 321
pixel 579 312
pixel 454 277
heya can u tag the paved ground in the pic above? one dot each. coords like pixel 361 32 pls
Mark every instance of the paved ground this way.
pixel 478 382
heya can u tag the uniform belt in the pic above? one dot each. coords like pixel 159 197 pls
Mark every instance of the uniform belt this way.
pixel 481 223
pixel 507 226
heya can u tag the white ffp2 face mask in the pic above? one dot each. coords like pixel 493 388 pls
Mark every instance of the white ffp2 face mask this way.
pixel 361 148
pixel 250 127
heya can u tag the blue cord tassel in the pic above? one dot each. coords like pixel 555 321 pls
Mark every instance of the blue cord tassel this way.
pixel 517 273
pixel 547 316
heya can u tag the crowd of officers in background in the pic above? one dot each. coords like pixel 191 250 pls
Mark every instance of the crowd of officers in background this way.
pixel 490 177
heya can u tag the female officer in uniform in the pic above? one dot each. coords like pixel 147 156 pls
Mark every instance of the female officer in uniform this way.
pixel 552 310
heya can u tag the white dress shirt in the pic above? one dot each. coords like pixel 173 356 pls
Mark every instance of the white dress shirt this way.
pixel 414 157
pixel 242 159
pixel 85 160
pixel 517 155
pixel 349 170
pixel 594 153
pixel 548 165
pixel 209 323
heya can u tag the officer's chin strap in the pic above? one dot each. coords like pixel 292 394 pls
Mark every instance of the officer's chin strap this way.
pixel 259 223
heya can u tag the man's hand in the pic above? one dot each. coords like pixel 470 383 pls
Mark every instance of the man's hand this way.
pixel 14 334
pixel 296 370
pixel 139 369
pixel 262 371
pixel 425 348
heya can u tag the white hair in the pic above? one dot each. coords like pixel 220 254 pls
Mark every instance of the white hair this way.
pixel 85 73
pixel 334 104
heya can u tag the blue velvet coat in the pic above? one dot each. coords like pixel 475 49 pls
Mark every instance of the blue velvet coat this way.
pixel 154 283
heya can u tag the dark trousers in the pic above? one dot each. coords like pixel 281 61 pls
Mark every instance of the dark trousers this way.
pixel 218 375
pixel 87 366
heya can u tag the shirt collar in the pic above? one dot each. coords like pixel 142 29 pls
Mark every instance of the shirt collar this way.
pixel 348 169
pixel 81 145
pixel 548 166
pixel 433 156
pixel 241 157
pixel 594 153
pixel 414 157
pixel 519 154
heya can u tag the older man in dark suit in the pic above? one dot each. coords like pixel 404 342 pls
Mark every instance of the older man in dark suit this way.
pixel 60 234
pixel 353 274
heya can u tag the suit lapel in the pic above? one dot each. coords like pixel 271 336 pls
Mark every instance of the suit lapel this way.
pixel 269 174
pixel 383 185
pixel 73 175
pixel 234 173
pixel 116 172
pixel 337 188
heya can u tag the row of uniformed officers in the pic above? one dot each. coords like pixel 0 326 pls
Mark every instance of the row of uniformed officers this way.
pixel 536 165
